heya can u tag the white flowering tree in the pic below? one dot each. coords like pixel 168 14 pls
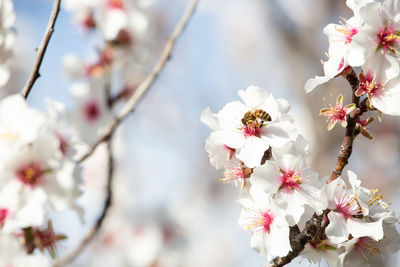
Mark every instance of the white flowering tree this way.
pixel 289 209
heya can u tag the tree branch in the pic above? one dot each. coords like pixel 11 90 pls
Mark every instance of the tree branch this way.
pixel 34 75
pixel 314 230
pixel 148 81
pixel 347 145
pixel 298 240
pixel 99 222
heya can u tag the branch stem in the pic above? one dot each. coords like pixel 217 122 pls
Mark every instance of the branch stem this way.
pixel 149 80
pixel 347 145
pixel 99 222
pixel 34 75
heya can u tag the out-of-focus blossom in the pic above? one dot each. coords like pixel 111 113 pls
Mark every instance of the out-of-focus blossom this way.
pixel 7 36
pixel 92 114
pixel 35 169
pixel 12 253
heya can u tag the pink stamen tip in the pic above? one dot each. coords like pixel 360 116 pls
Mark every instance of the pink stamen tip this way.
pixel 347 32
pixel 368 86
pixel 252 130
pixel 261 221
pixel 347 206
pixel 291 180
pixel 387 38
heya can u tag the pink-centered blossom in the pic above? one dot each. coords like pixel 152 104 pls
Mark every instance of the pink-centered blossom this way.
pixel 368 85
pixel 292 184
pixel 266 222
pixel 340 37
pixel 382 94
pixel 378 40
pixel 365 251
pixel 349 214
pixel 249 133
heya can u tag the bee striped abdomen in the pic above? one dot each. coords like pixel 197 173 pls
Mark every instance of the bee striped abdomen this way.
pixel 262 115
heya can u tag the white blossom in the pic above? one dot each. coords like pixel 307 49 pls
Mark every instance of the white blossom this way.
pixel 247 133
pixel 266 221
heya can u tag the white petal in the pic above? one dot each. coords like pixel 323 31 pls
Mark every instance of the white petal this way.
pixel 279 241
pixel 231 115
pixel 372 15
pixel 314 82
pixel 254 96
pixel 229 138
pixel 260 244
pixel 358 49
pixel 359 228
pixel 337 229
pixel 252 152
pixel 279 133
pixel 389 99
pixel 210 119
pixel 266 177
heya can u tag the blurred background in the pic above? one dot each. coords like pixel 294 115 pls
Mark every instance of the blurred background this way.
pixel 170 209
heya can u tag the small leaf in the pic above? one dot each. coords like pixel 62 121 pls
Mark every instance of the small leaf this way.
pixel 366 133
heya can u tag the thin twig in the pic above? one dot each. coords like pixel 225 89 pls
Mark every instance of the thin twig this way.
pixel 34 75
pixel 96 227
pixel 146 84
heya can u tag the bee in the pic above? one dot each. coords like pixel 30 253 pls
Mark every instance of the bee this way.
pixel 250 117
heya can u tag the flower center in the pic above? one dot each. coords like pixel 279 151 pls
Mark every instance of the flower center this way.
pixel 387 38
pixel 262 221
pixel 91 111
pixel 291 180
pixel 346 205
pixel 252 128
pixel 338 113
pixel 31 174
pixel 347 31
pixel 368 86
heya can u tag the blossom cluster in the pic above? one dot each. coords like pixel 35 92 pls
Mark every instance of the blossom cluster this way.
pixel 260 150
pixel 38 174
pixel 369 40
pixel 122 49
